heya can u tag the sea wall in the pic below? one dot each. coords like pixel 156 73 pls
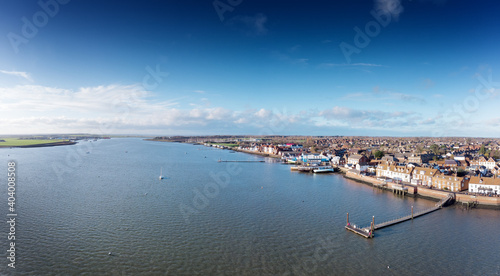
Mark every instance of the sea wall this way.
pixel 482 201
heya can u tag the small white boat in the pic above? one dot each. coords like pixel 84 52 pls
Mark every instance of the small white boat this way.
pixel 324 169
pixel 161 174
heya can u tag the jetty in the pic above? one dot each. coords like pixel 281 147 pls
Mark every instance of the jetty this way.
pixel 244 161
pixel 368 232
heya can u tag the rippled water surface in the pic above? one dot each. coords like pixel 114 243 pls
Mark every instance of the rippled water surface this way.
pixel 211 218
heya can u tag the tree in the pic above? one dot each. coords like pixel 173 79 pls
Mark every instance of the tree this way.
pixel 435 149
pixel 495 154
pixel 461 172
pixel 378 154
pixel 482 150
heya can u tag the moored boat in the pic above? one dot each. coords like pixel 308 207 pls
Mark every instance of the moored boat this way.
pixel 324 169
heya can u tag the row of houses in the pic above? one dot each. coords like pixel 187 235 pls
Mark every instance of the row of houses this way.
pixel 433 178
pixel 482 161
pixel 278 150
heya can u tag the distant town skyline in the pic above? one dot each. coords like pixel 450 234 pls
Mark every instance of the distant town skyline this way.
pixel 366 68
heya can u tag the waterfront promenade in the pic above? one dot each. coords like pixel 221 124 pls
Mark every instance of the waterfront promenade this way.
pixel 481 201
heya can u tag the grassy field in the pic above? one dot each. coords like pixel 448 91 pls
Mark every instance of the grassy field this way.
pixel 14 142
pixel 225 144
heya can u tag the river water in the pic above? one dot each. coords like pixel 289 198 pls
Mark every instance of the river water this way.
pixel 77 204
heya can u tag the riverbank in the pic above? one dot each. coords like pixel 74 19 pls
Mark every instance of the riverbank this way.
pixel 54 144
pixel 485 202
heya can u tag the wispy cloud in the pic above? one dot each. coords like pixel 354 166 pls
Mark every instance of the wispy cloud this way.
pixel 23 75
pixel 294 49
pixel 427 83
pixel 367 119
pixel 409 98
pixel 350 65
pixel 379 94
pixel 389 7
pixel 287 58
pixel 251 25
pixel 436 2
pixel 200 91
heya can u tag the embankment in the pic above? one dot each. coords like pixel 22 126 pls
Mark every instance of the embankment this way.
pixel 477 200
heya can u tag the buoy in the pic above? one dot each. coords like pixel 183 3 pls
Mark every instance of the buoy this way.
pixel 109 253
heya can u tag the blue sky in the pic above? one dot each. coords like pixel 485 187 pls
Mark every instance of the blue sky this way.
pixel 425 68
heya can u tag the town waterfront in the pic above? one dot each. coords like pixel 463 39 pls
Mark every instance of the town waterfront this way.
pixel 98 208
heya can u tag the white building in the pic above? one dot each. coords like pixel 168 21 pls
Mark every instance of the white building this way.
pixel 489 164
pixel 484 185
pixel 335 160
pixel 402 173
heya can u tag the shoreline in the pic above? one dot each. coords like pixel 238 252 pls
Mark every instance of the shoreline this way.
pixel 481 202
pixel 55 144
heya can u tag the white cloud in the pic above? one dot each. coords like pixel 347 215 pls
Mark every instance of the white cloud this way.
pixel 130 109
pixel 23 75
pixel 199 91
pixel 263 113
pixel 115 109
pixel 105 99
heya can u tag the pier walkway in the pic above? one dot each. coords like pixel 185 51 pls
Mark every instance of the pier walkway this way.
pixel 243 161
pixel 368 232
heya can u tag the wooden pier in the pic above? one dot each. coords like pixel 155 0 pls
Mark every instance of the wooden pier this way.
pixel 368 232
pixel 243 161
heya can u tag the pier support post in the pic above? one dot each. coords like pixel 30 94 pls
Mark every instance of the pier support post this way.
pixel 411 212
pixel 372 227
